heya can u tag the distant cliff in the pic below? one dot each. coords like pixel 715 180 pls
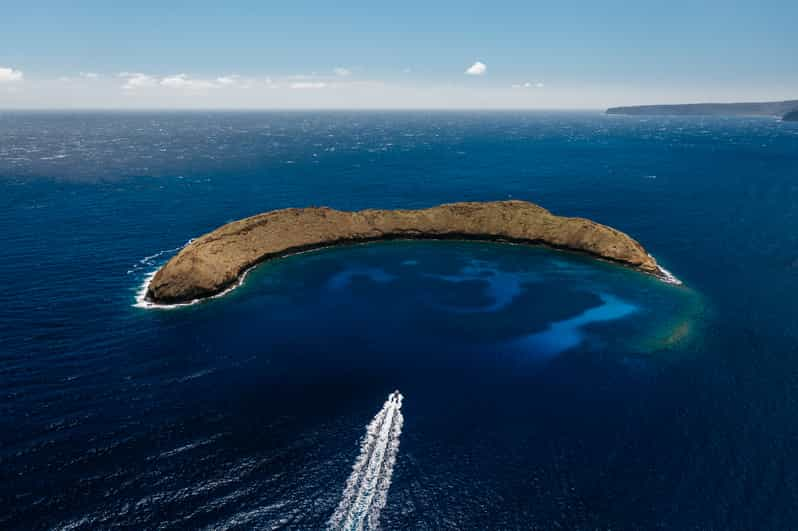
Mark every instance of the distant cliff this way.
pixel 791 116
pixel 772 108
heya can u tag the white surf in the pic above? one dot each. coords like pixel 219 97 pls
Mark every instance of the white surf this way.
pixel 366 489
pixel 669 277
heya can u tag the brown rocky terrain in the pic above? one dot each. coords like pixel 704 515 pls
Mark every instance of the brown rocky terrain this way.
pixel 217 260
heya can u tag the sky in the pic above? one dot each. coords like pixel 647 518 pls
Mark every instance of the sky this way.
pixel 409 54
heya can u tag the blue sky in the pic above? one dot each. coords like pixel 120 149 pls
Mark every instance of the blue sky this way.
pixel 565 54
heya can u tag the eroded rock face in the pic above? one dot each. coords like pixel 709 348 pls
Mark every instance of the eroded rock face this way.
pixel 216 261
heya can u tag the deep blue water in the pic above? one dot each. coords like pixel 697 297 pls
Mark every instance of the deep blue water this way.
pixel 541 389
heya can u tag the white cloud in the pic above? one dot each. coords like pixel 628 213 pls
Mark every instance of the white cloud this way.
pixel 227 81
pixel 91 76
pixel 236 81
pixel 477 69
pixel 527 85
pixel 266 82
pixel 342 72
pixel 9 75
pixel 182 81
pixel 137 80
pixel 308 85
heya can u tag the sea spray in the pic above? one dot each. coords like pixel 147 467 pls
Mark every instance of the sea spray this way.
pixel 152 262
pixel 366 490
pixel 669 277
pixel 666 276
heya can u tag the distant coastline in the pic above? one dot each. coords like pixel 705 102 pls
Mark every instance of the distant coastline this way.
pixel 776 109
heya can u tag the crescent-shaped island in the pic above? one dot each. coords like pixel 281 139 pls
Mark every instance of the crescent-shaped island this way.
pixel 217 261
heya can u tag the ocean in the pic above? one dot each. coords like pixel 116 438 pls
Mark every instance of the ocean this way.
pixel 423 385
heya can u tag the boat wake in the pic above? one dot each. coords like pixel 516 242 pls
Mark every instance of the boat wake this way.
pixel 366 489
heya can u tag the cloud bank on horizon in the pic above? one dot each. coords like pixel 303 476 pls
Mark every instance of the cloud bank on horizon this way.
pixel 339 88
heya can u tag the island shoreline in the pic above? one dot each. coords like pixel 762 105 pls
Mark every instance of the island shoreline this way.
pixel 216 262
pixel 661 274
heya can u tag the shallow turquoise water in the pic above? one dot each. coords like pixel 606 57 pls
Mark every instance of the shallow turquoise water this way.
pixel 527 302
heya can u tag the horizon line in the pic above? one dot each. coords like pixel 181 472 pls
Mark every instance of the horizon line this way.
pixel 303 109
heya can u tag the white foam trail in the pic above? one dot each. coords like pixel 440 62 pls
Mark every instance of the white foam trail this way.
pixel 148 260
pixel 366 489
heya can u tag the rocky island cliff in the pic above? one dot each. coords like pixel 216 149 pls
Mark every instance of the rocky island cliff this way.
pixel 216 261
